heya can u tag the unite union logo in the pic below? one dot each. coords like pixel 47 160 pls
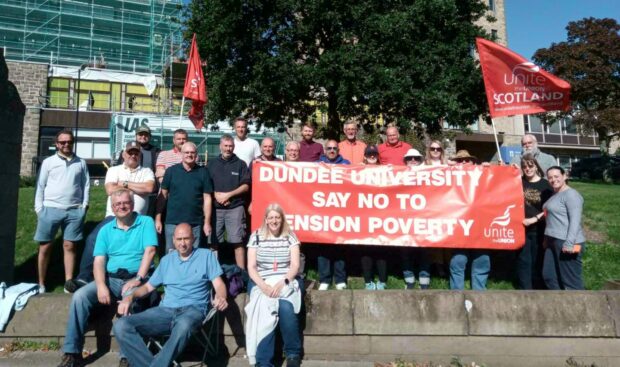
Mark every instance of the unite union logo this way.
pixel 497 230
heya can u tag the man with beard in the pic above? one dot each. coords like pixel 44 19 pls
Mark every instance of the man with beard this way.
pixel 530 145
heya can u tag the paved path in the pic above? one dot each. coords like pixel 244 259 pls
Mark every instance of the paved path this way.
pixel 50 359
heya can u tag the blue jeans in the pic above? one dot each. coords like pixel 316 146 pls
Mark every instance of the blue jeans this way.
pixel 169 229
pixel 83 301
pixel 562 270
pixel 289 328
pixel 179 323
pixel 424 265
pixel 86 263
pixel 480 269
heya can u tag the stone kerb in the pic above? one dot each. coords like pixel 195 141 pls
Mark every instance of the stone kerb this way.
pixel 409 313
pixel 329 313
pixel 542 314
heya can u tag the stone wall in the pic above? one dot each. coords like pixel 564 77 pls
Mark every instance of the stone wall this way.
pixel 494 328
pixel 31 82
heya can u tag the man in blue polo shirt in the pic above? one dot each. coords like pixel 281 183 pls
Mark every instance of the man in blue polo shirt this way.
pixel 187 275
pixel 123 256
pixel 186 195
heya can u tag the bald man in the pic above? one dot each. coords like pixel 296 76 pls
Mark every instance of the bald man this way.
pixel 530 145
pixel 393 150
pixel 187 275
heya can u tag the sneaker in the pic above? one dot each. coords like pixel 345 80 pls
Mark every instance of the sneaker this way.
pixel 41 289
pixel 323 286
pixel 123 363
pixel 409 285
pixel 71 360
pixel 293 362
pixel 73 285
pixel 425 286
pixel 380 286
pixel 370 286
pixel 341 286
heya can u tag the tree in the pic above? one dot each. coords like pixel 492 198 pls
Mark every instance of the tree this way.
pixel 280 60
pixel 590 61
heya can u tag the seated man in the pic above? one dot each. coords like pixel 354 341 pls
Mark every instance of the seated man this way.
pixel 123 256
pixel 185 274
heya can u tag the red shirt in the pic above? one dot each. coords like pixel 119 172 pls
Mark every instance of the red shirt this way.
pixel 310 152
pixel 393 154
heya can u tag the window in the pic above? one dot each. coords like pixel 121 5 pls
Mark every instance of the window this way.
pixel 569 126
pixel 533 124
pixel 554 127
pixel 492 5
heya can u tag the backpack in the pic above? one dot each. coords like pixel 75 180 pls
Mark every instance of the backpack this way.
pixel 233 278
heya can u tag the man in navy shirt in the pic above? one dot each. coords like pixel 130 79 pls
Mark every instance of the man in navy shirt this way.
pixel 231 182
pixel 186 195
pixel 187 275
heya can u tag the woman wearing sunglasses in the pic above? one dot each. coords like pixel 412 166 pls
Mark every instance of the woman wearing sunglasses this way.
pixel 435 154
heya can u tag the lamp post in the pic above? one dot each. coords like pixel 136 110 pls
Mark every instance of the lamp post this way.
pixel 77 106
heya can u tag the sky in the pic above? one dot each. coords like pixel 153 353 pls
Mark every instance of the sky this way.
pixel 534 24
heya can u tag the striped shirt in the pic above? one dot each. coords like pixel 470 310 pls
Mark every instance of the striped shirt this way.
pixel 168 158
pixel 273 255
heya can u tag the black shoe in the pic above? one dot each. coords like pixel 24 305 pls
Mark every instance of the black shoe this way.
pixel 71 360
pixel 73 285
pixel 293 362
pixel 123 363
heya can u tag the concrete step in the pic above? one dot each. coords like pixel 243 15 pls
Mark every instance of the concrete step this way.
pixel 40 359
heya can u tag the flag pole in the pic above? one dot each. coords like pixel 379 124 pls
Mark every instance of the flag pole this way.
pixel 181 113
pixel 499 154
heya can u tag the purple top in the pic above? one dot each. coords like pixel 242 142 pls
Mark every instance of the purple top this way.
pixel 310 152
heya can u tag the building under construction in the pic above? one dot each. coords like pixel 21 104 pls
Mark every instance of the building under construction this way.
pixel 131 35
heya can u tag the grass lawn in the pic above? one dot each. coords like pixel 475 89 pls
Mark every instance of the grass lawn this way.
pixel 601 260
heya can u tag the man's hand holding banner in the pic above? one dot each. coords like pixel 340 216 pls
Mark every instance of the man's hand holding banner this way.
pixel 455 207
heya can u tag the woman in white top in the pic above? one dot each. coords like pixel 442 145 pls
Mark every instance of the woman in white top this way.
pixel 273 265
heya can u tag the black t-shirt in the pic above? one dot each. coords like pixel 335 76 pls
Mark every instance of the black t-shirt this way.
pixel 536 194
pixel 185 190
pixel 228 175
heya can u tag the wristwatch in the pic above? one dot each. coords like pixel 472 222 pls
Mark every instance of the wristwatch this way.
pixel 125 184
pixel 140 278
pixel 286 281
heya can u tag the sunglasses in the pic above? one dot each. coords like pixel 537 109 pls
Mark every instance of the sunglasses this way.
pixel 64 142
pixel 464 160
pixel 331 148
pixel 433 149
pixel 407 159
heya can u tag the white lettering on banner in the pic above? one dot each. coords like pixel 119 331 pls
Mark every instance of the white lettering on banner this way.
pixel 382 177
pixel 416 201
pixel 324 223
pixel 379 201
pixel 419 226
pixel 522 97
pixel 333 199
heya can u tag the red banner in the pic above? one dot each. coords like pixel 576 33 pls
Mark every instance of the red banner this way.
pixel 516 86
pixel 456 207
pixel 195 86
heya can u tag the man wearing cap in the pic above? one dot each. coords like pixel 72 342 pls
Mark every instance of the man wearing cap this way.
pixel 393 150
pixel 350 148
pixel 131 176
pixel 371 155
pixel 148 152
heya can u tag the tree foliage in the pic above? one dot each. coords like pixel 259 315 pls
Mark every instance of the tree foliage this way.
pixel 590 61
pixel 281 60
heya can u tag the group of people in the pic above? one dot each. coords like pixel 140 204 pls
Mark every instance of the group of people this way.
pixel 167 199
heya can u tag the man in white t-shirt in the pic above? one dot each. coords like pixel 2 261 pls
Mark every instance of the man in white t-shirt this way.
pixel 247 149
pixel 129 175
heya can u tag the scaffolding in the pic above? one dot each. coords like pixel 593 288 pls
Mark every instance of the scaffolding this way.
pixel 130 35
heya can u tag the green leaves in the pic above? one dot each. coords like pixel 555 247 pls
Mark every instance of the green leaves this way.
pixel 280 60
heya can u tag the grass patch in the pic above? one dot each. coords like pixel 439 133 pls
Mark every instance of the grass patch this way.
pixel 30 345
pixel 601 259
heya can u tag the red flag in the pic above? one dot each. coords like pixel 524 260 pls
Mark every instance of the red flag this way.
pixel 516 86
pixel 195 86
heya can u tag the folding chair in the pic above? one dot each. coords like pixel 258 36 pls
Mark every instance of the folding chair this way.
pixel 202 335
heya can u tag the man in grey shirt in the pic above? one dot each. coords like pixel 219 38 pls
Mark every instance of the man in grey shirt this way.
pixel 61 201
pixel 530 145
